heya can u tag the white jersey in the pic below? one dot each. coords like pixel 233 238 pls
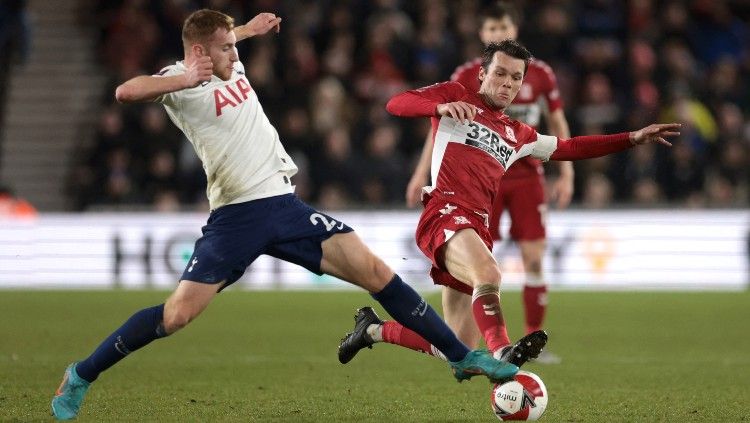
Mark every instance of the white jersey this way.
pixel 240 149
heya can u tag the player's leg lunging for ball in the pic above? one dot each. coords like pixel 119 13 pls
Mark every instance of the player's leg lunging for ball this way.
pixel 346 257
pixel 467 259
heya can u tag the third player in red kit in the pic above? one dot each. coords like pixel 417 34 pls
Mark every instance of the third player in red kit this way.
pixel 475 143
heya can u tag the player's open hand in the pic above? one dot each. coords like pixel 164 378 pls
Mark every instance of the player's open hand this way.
pixel 656 133
pixel 459 110
pixel 562 190
pixel 414 189
pixel 262 23
pixel 199 71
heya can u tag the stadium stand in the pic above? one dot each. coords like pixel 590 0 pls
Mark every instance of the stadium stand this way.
pixel 325 77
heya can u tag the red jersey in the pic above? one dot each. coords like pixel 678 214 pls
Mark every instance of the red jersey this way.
pixel 469 159
pixel 538 91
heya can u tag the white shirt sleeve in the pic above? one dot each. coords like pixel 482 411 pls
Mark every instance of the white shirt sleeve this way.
pixel 168 99
pixel 543 147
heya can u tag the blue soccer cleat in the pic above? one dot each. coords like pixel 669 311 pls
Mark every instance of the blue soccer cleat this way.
pixel 69 396
pixel 480 362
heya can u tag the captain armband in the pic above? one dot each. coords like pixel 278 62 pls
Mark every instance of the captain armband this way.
pixel 544 146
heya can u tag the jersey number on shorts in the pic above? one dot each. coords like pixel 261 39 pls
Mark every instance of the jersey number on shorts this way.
pixel 316 218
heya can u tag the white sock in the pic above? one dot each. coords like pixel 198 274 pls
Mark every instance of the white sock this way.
pixel 375 332
pixel 499 352
pixel 437 353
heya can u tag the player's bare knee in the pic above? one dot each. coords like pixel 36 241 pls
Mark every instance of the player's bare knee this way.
pixel 488 273
pixel 176 318
pixel 381 272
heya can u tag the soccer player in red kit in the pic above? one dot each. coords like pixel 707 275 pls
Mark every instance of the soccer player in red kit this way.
pixel 475 144
pixel 522 193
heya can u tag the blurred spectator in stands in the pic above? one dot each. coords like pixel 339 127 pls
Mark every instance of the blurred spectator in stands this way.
pixel 192 176
pixel 725 84
pixel 330 106
pixel 679 67
pixel 333 196
pixel 386 56
pixel 132 39
pixel 641 18
pixel 645 95
pixel 716 34
pixel 166 201
pixel 302 67
pixel 14 207
pixel 719 191
pixel 698 124
pixel 336 164
pixel 15 32
pixel 598 108
pixel 116 179
pixel 682 175
pixel 338 57
pixel 15 43
pixel 90 162
pixel 675 20
pixel 734 167
pixel 551 36
pixel 435 48
pixel 260 72
pixel 156 134
pixel 161 175
pixel 639 179
pixel 384 167
pixel 598 192
pixel 647 193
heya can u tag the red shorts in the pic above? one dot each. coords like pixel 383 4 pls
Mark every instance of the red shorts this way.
pixel 525 201
pixel 439 221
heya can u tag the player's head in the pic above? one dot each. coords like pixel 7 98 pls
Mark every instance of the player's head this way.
pixel 211 33
pixel 504 65
pixel 497 22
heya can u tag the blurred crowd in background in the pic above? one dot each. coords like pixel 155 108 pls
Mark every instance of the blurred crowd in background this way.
pixel 324 80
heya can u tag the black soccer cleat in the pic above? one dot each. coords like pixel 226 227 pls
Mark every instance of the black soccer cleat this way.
pixel 527 348
pixel 358 338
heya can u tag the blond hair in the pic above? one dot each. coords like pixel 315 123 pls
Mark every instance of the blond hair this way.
pixel 201 24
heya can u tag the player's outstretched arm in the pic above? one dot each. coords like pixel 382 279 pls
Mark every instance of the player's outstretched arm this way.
pixel 148 88
pixel 586 147
pixel 259 25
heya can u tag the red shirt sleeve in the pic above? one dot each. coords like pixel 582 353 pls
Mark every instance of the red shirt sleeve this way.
pixel 551 92
pixel 587 147
pixel 423 102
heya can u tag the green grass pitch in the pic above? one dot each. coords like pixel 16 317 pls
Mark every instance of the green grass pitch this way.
pixel 271 357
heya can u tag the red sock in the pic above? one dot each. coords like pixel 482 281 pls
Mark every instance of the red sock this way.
pixel 395 333
pixel 489 317
pixel 534 306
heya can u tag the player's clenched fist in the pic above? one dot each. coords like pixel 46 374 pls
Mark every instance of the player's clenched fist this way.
pixel 459 110
pixel 655 133
pixel 199 71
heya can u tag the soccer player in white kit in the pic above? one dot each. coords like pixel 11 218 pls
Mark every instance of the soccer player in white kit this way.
pixel 253 210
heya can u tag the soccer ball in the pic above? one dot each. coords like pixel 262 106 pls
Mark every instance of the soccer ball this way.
pixel 523 398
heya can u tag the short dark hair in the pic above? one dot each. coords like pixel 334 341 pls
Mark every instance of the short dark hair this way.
pixel 510 47
pixel 499 10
